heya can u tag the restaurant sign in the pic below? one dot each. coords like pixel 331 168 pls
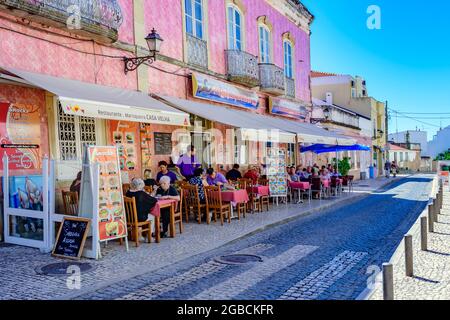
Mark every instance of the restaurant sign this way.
pixel 287 108
pixel 111 111
pixel 207 88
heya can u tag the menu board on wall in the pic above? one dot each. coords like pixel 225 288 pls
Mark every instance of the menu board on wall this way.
pixel 20 135
pixel 276 172
pixel 125 137
pixel 146 139
pixel 163 143
pixel 111 209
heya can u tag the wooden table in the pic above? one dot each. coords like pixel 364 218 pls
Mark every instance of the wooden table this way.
pixel 156 211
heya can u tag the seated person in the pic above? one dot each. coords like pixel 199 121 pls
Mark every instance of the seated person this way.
pixel 215 178
pixel 292 176
pixel 304 175
pixel 148 180
pixel 325 175
pixel 144 201
pixel 252 174
pixel 234 173
pixel 163 171
pixel 166 192
pixel 198 180
pixel 334 173
pixel 172 167
pixel 298 170
pixel 76 184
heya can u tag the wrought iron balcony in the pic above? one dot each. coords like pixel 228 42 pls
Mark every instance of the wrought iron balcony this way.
pixel 197 51
pixel 290 87
pixel 272 78
pixel 242 68
pixel 97 19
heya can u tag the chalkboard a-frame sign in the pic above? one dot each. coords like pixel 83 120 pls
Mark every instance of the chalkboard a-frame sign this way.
pixel 71 238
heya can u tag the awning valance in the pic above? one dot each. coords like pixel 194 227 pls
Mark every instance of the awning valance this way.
pixel 252 127
pixel 97 101
pixel 323 148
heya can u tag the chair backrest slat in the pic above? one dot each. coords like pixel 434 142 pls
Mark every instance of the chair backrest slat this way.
pixel 70 201
pixel 130 210
pixel 191 196
pixel 213 197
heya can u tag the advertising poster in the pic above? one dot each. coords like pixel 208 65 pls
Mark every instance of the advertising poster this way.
pixel 111 210
pixel 20 135
pixel 287 108
pixel 276 172
pixel 208 88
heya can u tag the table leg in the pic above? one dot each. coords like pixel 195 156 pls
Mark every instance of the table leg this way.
pixel 157 230
pixel 172 222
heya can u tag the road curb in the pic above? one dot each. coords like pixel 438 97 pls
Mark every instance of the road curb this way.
pixel 340 201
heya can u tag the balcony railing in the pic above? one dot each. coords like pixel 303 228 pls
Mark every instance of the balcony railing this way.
pixel 290 87
pixel 242 68
pixel 272 78
pixel 99 18
pixel 197 51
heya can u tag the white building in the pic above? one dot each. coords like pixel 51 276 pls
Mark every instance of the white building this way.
pixel 415 136
pixel 440 143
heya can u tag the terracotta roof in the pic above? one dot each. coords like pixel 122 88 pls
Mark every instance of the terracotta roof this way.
pixel 318 74
pixel 394 147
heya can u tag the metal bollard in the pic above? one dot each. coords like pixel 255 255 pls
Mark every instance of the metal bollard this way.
pixel 430 218
pixel 424 233
pixel 435 210
pixel 409 261
pixel 388 281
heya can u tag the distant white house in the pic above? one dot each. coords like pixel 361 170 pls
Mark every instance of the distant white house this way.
pixel 415 136
pixel 440 143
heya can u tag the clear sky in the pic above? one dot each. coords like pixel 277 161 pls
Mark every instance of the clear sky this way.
pixel 407 62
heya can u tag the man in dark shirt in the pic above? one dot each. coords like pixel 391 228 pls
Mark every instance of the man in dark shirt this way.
pixel 166 192
pixel 234 173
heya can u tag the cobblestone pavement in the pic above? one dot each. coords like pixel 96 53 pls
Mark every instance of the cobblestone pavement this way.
pixel 320 256
pixel 431 279
pixel 342 238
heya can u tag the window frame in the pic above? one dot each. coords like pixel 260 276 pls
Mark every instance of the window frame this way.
pixel 269 47
pixel 285 59
pixel 194 19
pixel 232 30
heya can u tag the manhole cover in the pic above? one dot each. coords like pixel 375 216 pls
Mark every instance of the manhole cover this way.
pixel 62 268
pixel 239 259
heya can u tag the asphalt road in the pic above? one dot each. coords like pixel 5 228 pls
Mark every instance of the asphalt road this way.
pixel 326 255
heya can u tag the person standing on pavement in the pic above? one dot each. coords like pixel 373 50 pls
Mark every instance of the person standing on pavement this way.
pixel 394 168
pixel 387 169
pixel 188 163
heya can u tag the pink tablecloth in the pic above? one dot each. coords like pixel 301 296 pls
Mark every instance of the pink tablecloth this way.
pixel 156 211
pixel 326 183
pixel 236 196
pixel 299 185
pixel 261 190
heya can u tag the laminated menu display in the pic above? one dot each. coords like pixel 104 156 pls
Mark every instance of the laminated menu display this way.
pixel 111 213
pixel 276 172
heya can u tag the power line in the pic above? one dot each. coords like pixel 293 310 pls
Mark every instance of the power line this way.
pixel 415 119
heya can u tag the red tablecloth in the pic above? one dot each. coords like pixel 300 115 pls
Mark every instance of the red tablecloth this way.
pixel 235 196
pixel 299 185
pixel 261 190
pixel 156 211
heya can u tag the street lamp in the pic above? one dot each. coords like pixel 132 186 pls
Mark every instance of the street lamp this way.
pixel 154 42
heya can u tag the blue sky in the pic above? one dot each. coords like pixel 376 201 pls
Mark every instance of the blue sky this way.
pixel 407 62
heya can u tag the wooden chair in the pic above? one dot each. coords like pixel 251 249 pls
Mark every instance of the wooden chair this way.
pixel 178 215
pixel 214 203
pixel 192 202
pixel 242 183
pixel 316 186
pixel 133 224
pixel 254 201
pixel 70 200
pixel 263 182
pixel 125 187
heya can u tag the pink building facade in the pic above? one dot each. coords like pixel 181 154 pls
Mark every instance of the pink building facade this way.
pixel 43 44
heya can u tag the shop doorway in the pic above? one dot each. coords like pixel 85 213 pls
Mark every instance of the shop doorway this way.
pixel 203 146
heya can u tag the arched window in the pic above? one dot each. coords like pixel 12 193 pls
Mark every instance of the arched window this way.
pixel 288 62
pixel 234 28
pixel 264 44
pixel 194 17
